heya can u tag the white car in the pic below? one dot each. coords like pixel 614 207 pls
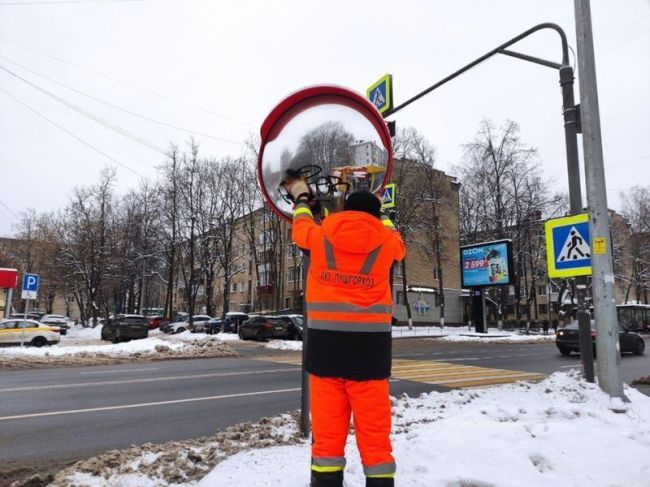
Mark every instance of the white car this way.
pixel 182 326
pixel 59 321
pixel 29 332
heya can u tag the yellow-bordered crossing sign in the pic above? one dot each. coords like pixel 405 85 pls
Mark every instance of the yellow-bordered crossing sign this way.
pixel 380 93
pixel 568 246
pixel 388 196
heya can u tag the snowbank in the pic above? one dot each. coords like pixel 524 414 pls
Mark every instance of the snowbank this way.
pixel 537 435
pixel 463 334
pixel 77 350
pixel 552 433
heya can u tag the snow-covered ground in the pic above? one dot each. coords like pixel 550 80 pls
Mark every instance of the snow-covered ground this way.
pixel 464 334
pixel 560 432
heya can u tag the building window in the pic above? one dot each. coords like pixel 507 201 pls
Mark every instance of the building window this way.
pixel 233 287
pixel 543 309
pixel 541 290
pixel 435 273
pixel 399 298
pixel 397 270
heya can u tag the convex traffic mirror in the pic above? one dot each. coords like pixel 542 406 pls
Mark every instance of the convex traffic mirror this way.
pixel 333 137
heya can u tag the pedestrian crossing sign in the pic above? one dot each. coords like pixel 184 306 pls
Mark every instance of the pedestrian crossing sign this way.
pixel 388 196
pixel 380 94
pixel 568 246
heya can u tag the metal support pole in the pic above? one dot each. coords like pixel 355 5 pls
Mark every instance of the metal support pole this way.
pixel 22 335
pixel 10 296
pixel 304 394
pixel 484 326
pixel 570 114
pixel 607 345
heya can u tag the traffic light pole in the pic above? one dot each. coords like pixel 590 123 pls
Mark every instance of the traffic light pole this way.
pixel 571 130
pixel 609 359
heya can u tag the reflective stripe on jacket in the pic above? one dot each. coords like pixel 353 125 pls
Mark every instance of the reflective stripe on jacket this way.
pixel 348 293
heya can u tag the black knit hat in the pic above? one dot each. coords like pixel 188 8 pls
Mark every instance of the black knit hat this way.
pixel 363 200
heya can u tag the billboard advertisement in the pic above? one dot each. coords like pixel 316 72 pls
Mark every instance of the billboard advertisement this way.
pixel 486 264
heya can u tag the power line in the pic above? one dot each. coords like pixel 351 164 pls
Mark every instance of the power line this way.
pixel 127 83
pixel 628 162
pixel 90 115
pixel 9 210
pixel 126 110
pixel 79 139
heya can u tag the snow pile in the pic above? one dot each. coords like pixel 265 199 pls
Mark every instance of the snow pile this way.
pixel 464 334
pixel 284 345
pixel 100 353
pixel 177 463
pixel 553 433
pixel 537 435
pixel 77 332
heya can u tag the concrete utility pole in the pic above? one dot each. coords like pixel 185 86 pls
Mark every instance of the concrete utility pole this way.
pixel 607 344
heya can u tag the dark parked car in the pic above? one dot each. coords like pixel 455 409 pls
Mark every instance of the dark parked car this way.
pixel 233 321
pixel 294 330
pixel 213 326
pixel 125 328
pixel 264 328
pixel 567 339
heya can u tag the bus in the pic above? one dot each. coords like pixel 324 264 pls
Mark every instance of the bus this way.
pixel 635 317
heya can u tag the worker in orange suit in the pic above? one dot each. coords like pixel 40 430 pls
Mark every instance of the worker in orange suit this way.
pixel 349 309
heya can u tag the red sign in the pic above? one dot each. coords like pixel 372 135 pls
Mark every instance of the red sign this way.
pixel 8 278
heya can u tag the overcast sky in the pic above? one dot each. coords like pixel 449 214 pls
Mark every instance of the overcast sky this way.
pixel 217 68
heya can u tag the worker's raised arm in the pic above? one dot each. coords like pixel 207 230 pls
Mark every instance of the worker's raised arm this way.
pixel 303 225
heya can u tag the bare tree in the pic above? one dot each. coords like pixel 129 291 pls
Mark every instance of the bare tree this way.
pixel 504 195
pixel 636 209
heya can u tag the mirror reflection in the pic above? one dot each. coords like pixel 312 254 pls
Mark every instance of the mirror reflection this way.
pixel 334 147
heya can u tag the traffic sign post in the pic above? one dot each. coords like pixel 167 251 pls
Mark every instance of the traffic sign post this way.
pixel 388 196
pixel 568 254
pixel 380 94
pixel 30 291
pixel 568 246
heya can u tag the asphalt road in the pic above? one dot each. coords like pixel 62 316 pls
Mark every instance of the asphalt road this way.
pixel 55 416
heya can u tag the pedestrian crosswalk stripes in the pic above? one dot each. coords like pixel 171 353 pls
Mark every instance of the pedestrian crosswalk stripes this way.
pixel 452 375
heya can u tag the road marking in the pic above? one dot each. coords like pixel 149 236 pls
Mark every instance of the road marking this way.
pixel 456 375
pixel 143 380
pixel 147 404
pixel 441 373
pixel 118 371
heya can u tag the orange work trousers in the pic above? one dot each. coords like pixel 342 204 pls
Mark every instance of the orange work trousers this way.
pixel 332 402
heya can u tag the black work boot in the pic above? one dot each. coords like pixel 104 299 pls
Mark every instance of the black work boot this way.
pixel 327 479
pixel 380 482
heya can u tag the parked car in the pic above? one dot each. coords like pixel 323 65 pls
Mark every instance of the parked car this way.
pixel 213 326
pixel 264 328
pixel 23 316
pixel 166 327
pixel 125 328
pixel 234 320
pixel 567 339
pixel 30 332
pixel 181 326
pixel 199 324
pixel 294 331
pixel 154 322
pixel 59 321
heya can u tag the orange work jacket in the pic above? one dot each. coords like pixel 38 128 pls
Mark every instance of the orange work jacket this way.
pixel 348 292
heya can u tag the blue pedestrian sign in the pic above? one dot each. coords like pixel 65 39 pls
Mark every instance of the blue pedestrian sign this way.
pixel 388 196
pixel 568 246
pixel 380 94
pixel 30 286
